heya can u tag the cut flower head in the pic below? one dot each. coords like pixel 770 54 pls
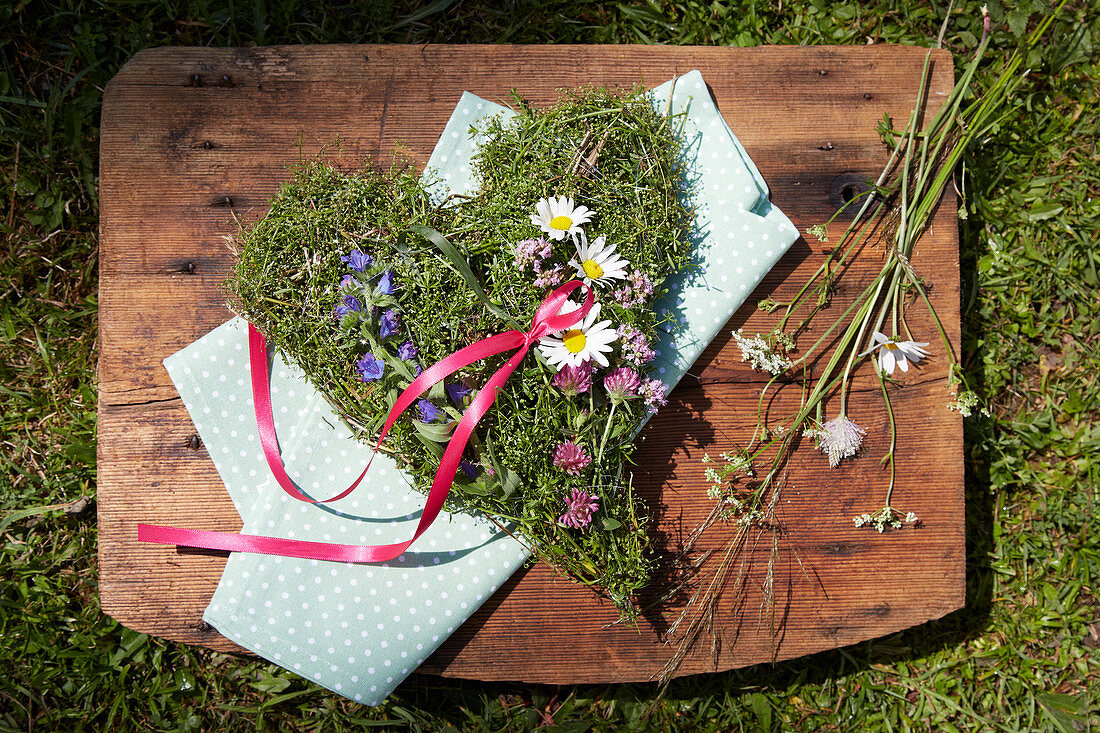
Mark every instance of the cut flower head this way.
pixel 586 341
pixel 580 507
pixel 558 217
pixel 893 352
pixel 838 439
pixel 597 263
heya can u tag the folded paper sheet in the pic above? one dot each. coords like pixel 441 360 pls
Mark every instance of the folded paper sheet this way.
pixel 360 629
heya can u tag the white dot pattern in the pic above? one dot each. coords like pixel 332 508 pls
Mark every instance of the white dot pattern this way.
pixel 733 213
pixel 344 626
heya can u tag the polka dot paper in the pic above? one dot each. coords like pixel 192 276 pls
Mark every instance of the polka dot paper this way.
pixel 355 629
pixel 360 629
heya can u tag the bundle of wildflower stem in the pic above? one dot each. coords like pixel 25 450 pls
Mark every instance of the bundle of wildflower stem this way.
pixel 897 209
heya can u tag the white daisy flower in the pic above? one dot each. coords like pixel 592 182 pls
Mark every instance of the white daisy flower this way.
pixel 558 217
pixel 597 262
pixel 587 340
pixel 893 352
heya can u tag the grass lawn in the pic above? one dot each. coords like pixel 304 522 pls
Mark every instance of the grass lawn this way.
pixel 1022 654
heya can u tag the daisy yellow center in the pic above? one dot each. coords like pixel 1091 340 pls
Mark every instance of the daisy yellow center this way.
pixel 561 222
pixel 574 340
pixel 890 346
pixel 592 269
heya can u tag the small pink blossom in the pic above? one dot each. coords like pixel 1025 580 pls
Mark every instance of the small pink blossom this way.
pixel 574 380
pixel 654 392
pixel 635 345
pixel 581 506
pixel 571 458
pixel 622 383
pixel 531 251
pixel 643 286
pixel 549 278
pixel 640 288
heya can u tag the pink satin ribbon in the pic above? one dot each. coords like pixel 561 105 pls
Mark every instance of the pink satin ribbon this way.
pixel 546 320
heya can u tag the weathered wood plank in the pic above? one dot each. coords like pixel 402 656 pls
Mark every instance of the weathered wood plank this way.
pixel 195 141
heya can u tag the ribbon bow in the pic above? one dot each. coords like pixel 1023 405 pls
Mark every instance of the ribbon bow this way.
pixel 547 320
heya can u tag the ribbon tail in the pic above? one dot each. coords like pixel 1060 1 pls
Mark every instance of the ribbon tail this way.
pixel 264 545
pixel 452 456
pixel 265 421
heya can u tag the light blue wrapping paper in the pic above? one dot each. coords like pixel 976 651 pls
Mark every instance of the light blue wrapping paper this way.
pixel 361 629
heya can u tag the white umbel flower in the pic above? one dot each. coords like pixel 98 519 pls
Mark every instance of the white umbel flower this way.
pixel 892 352
pixel 586 341
pixel 558 217
pixel 597 263
pixel 759 354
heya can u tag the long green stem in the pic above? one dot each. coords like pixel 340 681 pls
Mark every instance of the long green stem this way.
pixel 853 348
pixel 606 430
pixel 893 437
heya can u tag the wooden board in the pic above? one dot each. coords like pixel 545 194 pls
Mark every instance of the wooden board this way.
pixel 195 140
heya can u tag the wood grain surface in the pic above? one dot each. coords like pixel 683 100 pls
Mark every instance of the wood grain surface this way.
pixel 195 141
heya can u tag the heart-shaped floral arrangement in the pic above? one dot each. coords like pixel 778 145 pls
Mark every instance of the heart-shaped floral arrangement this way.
pixel 365 280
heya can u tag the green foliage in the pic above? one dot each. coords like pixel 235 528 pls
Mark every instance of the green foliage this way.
pixel 288 282
pixel 1020 656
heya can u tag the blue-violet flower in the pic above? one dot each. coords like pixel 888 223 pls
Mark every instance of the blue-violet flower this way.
pixel 428 411
pixel 387 324
pixel 358 261
pixel 386 285
pixel 457 392
pixel 370 368
pixel 351 304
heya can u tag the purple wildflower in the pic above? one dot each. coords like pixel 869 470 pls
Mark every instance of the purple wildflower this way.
pixel 406 351
pixel 457 392
pixel 428 411
pixel 370 368
pixel 386 285
pixel 636 348
pixel 624 297
pixel 580 507
pixel 358 261
pixel 653 392
pixel 571 458
pixel 574 380
pixel 622 383
pixel 348 283
pixel 550 278
pixel 351 304
pixel 468 468
pixel 640 288
pixel 531 251
pixel 388 323
pixel 643 286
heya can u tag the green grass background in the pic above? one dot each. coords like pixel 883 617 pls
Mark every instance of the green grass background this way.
pixel 1022 654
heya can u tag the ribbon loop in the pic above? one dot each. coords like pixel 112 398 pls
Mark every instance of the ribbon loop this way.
pixel 547 319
